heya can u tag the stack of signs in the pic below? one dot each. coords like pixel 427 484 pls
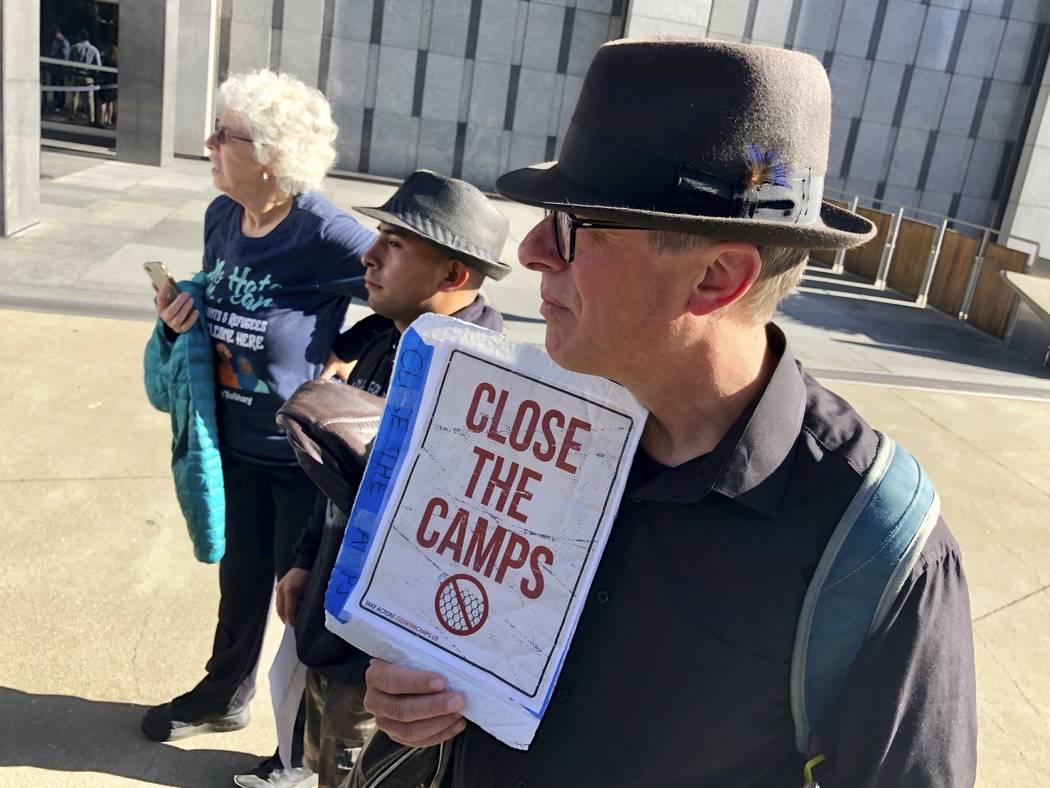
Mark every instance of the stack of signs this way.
pixel 483 512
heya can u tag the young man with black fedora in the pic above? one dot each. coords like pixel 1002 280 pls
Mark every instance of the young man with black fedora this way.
pixel 439 239
pixel 681 211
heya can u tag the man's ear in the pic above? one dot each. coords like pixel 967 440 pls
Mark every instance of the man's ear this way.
pixel 730 271
pixel 457 276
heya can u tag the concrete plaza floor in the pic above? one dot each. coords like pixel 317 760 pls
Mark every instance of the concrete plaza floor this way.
pixel 106 612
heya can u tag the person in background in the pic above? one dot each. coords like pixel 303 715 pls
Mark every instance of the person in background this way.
pixel 281 264
pixel 107 94
pixel 439 238
pixel 87 53
pixel 56 75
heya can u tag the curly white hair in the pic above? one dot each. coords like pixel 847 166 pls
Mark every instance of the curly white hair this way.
pixel 291 124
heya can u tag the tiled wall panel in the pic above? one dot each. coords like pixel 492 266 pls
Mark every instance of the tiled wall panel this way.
pixel 770 23
pixel 930 98
pixel 818 22
pixel 901 29
pixel 444 82
pixel 352 20
pixel 459 86
pixel 924 102
pixel 938 39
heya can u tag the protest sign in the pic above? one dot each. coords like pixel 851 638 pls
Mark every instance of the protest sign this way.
pixel 481 517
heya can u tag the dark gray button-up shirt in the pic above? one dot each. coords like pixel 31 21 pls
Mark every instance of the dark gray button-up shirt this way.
pixel 678 676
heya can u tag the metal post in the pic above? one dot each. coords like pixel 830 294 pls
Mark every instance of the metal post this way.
pixel 1015 310
pixel 887 250
pixel 931 264
pixel 975 272
pixel 839 265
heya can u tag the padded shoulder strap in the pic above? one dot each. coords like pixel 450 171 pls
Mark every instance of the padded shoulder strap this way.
pixel 864 566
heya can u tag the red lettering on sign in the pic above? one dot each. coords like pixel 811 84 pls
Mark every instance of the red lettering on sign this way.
pixel 571 445
pixel 547 453
pixel 481 555
pixel 425 539
pixel 551 437
pixel 484 455
pixel 493 433
pixel 504 485
pixel 514 555
pixel 473 424
pixel 540 553
pixel 499 552
pixel 454 536
pixel 529 419
pixel 527 410
pixel 522 494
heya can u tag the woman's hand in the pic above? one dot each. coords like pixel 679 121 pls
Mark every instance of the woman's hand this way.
pixel 412 706
pixel 178 313
pixel 290 594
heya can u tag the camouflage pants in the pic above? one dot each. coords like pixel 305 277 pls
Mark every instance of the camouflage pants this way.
pixel 337 725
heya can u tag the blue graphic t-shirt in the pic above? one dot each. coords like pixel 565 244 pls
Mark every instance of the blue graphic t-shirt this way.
pixel 273 306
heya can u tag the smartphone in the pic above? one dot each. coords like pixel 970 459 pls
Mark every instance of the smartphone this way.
pixel 160 275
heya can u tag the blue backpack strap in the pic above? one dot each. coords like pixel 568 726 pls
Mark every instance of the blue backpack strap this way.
pixel 864 566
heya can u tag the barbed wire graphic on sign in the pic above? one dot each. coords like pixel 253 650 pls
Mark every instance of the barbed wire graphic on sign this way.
pixel 461 605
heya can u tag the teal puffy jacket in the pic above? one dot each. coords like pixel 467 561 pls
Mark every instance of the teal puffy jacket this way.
pixel 180 380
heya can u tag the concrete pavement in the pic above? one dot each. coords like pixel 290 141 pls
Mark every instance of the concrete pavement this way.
pixel 106 611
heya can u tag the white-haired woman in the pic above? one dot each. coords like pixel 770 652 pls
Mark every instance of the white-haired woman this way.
pixel 281 263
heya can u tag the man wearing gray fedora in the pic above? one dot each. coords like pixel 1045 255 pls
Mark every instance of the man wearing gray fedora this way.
pixel 439 239
pixel 680 212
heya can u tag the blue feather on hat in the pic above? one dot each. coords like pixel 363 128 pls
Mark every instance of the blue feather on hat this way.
pixel 764 166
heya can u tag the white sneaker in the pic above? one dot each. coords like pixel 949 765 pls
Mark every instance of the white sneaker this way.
pixel 271 774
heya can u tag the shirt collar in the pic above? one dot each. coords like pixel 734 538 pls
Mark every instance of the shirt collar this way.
pixel 473 311
pixel 752 463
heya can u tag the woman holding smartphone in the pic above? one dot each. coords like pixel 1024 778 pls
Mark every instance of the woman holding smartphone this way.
pixel 280 266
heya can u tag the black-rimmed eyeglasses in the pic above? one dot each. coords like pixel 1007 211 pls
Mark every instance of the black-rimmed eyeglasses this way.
pixel 566 225
pixel 222 135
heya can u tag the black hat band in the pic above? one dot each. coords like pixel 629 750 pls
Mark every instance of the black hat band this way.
pixel 645 181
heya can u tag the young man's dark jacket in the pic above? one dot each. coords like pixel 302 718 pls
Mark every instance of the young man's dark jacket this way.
pixel 318 548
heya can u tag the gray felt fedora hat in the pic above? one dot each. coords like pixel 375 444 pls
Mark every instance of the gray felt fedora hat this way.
pixel 699 136
pixel 452 214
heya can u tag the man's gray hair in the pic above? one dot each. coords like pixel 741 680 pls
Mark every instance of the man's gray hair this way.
pixel 782 269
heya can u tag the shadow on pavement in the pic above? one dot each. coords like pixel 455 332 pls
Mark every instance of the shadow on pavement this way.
pixel 69 734
pixel 848 284
pixel 851 312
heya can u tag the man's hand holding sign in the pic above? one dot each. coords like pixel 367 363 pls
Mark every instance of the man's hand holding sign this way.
pixel 413 706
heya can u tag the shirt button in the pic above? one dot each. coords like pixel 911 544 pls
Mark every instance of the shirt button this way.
pixel 521 784
pixel 602 597
pixel 635 499
pixel 562 695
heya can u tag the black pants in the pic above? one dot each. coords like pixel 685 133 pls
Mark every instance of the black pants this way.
pixel 266 510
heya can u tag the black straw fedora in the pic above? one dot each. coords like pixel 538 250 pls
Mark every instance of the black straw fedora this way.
pixel 451 214
pixel 702 137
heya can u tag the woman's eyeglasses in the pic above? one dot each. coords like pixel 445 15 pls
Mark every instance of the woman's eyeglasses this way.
pixel 222 135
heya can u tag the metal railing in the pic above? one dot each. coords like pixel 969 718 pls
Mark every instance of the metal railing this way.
pixel 942 224
pixel 54 61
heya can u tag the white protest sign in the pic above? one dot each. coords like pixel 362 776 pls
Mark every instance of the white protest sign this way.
pixel 482 516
